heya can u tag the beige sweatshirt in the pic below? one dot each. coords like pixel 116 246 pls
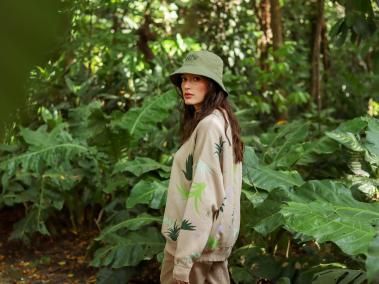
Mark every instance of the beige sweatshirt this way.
pixel 202 215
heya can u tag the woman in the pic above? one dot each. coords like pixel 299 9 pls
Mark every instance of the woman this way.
pixel 202 215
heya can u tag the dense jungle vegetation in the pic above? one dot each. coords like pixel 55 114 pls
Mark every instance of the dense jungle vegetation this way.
pixel 91 148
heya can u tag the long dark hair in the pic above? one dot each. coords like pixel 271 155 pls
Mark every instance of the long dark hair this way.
pixel 215 98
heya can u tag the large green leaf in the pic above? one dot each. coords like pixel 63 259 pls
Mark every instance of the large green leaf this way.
pixel 139 166
pixel 34 221
pixel 355 125
pixel 288 150
pixel 53 149
pixel 131 224
pixel 313 149
pixel 266 178
pixel 266 215
pixel 372 260
pixel 326 211
pixel 87 121
pixel 139 121
pixel 340 276
pixel 129 250
pixel 149 192
pixel 347 139
pixel 250 158
pixel 256 197
pixel 372 138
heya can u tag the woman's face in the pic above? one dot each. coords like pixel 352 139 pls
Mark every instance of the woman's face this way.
pixel 194 88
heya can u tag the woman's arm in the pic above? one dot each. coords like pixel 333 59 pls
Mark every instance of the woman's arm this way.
pixel 204 197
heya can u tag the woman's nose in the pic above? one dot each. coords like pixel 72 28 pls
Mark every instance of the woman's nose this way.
pixel 186 85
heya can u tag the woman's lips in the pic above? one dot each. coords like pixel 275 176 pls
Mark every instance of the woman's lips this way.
pixel 188 95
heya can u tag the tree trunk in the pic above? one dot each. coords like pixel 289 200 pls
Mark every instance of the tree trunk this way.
pixel 277 42
pixel 263 14
pixel 325 58
pixel 276 24
pixel 315 88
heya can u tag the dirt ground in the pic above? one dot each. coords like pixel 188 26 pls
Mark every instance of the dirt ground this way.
pixel 62 259
pixel 56 259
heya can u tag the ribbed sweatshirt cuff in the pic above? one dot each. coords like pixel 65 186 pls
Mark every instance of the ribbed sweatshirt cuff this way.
pixel 181 273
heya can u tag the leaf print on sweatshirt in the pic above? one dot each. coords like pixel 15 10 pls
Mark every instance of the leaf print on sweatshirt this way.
pixel 212 243
pixel 219 148
pixel 186 225
pixel 189 164
pixel 220 209
pixel 196 192
pixel 184 192
pixel 173 232
pixel 202 167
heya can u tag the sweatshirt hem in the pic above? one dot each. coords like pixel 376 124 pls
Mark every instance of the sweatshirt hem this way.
pixel 220 254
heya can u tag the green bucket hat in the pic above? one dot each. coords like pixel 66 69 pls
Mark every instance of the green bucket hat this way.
pixel 204 63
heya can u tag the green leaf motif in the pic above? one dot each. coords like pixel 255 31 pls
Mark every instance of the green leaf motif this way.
pixel 202 167
pixel 189 164
pixel 184 192
pixel 173 232
pixel 196 193
pixel 186 225
pixel 212 243
pixel 219 147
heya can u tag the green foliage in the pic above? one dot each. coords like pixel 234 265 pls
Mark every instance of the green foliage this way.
pixel 323 210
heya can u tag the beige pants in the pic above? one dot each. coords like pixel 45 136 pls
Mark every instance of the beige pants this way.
pixel 210 272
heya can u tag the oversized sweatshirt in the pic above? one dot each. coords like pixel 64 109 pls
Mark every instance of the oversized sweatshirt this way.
pixel 202 215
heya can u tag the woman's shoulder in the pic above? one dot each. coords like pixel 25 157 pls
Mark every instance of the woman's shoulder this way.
pixel 212 121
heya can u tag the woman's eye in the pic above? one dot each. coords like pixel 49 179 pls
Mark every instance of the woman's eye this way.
pixel 196 78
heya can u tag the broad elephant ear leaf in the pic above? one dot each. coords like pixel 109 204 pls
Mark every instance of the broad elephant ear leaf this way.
pixel 129 249
pixel 266 178
pixel 326 211
pixel 372 260
pixel 339 276
pixel 148 191
pixel 347 139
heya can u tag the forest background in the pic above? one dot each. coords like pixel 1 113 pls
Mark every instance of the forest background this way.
pixel 90 124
